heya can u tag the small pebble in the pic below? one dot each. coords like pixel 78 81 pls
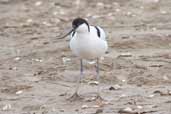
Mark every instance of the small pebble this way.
pixel 169 92
pixel 84 106
pixel 141 7
pixel 156 65
pixel 95 106
pixel 63 94
pixel 14 68
pixel 19 92
pixel 154 29
pixel 139 107
pixel 129 13
pixel 46 23
pixel 125 37
pixel 77 2
pixel 127 110
pixel 37 60
pixel 93 83
pixel 122 95
pixel 151 96
pixel 165 78
pixel 100 4
pixel 123 80
pixel 117 10
pixel 156 1
pixel 126 54
pixel 115 87
pixel 91 62
pixel 38 3
pixel 65 60
pixel 6 107
pixel 29 20
pixel 17 59
pixel 112 88
pixel 163 12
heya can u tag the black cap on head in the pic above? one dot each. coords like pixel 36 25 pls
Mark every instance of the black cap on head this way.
pixel 78 21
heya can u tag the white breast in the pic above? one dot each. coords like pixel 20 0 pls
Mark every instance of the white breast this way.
pixel 88 45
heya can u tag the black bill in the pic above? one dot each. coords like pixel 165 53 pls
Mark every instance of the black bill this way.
pixel 67 34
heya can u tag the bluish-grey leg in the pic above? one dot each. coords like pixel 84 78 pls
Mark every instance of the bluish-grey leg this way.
pixel 80 77
pixel 75 96
pixel 97 76
pixel 98 79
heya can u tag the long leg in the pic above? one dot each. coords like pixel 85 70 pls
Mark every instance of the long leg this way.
pixel 80 77
pixel 97 76
pixel 75 96
pixel 98 79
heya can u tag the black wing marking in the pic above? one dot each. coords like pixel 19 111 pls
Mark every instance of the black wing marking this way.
pixel 73 33
pixel 98 31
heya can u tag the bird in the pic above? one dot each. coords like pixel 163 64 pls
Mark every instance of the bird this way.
pixel 87 42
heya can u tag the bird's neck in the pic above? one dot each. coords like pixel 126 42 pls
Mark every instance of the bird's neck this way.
pixel 82 35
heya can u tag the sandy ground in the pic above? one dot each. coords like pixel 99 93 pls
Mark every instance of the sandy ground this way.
pixel 38 71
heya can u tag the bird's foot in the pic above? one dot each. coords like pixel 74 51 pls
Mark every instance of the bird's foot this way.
pixel 96 98
pixel 99 98
pixel 75 97
pixel 99 101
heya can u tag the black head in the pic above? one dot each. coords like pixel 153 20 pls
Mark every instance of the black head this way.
pixel 75 24
pixel 78 21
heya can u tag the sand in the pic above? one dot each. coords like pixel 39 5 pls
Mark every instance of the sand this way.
pixel 38 72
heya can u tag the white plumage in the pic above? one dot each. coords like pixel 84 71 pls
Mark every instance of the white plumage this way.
pixel 87 44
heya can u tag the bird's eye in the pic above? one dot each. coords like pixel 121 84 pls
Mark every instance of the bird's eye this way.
pixel 74 26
